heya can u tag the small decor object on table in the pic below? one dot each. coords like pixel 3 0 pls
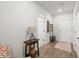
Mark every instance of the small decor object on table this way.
pixel 5 52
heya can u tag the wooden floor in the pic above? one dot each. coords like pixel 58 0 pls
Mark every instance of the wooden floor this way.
pixel 48 51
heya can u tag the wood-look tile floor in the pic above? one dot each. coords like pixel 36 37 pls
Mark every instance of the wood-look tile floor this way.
pixel 48 51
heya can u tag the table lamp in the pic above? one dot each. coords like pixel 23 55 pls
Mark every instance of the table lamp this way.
pixel 31 31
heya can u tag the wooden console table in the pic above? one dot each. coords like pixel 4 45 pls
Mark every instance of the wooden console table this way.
pixel 31 48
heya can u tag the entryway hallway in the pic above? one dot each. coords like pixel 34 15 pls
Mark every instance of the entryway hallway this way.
pixel 50 51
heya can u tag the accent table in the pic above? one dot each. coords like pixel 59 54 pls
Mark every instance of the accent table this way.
pixel 32 47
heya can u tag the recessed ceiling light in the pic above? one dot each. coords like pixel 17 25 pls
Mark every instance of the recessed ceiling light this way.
pixel 59 10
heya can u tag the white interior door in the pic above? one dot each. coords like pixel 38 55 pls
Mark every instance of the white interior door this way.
pixel 41 30
pixel 77 26
pixel 77 32
pixel 65 31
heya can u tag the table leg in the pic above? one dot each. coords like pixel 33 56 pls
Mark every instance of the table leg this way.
pixel 25 50
pixel 38 48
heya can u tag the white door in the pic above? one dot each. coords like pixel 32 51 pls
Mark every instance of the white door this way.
pixel 77 25
pixel 41 30
pixel 65 31
pixel 77 32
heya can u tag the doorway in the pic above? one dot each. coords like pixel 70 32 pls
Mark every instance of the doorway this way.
pixel 41 30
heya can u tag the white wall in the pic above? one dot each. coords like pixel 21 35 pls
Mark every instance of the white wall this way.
pixel 63 27
pixel 15 17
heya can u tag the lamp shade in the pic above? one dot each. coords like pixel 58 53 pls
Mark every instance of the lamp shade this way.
pixel 31 29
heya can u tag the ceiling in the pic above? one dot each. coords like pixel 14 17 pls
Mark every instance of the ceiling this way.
pixel 54 6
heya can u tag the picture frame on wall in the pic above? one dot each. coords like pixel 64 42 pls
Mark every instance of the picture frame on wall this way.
pixel 47 26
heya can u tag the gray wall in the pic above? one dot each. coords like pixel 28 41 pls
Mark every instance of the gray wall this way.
pixel 15 17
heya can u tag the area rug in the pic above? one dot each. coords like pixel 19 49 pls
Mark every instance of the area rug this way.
pixel 65 46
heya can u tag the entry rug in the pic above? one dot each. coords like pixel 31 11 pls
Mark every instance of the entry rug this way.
pixel 65 46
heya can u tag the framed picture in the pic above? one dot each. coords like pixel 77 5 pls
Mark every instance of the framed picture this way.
pixel 47 26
